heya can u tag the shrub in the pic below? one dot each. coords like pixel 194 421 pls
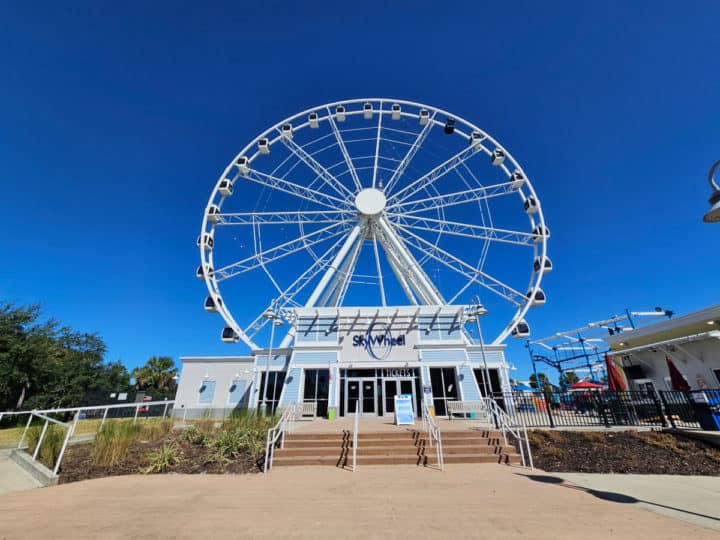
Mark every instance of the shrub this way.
pixel 164 458
pixel 113 441
pixel 51 444
pixel 157 429
pixel 194 436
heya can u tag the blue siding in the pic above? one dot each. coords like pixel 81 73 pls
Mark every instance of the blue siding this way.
pixel 291 391
pixel 494 357
pixel 317 330
pixel 206 393
pixel 315 357
pixel 468 386
pixel 450 356
pixel 277 361
pixel 236 392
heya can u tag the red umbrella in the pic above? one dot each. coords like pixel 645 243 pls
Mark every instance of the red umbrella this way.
pixel 616 383
pixel 678 382
pixel 585 385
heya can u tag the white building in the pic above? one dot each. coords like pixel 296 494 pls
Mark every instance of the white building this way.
pixel 691 341
pixel 346 357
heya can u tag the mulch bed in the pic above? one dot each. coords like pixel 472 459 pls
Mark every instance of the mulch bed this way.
pixel 637 452
pixel 77 463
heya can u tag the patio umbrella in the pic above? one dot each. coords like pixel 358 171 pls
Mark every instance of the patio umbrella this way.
pixel 523 388
pixel 616 383
pixel 679 384
pixel 585 385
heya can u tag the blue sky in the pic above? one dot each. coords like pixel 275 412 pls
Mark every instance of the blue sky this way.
pixel 115 122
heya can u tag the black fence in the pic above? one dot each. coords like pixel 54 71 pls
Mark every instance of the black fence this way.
pixel 601 409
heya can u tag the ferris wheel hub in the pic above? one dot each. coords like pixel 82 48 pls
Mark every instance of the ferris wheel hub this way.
pixel 370 202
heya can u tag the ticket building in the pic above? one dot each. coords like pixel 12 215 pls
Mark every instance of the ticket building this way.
pixel 347 359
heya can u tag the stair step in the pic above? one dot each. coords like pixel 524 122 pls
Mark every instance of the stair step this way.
pixel 393 460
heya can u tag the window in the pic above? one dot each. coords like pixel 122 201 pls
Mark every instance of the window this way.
pixel 236 392
pixel 317 387
pixel 444 388
pixel 272 397
pixel 206 393
pixel 717 375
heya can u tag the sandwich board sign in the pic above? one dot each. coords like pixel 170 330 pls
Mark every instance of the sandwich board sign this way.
pixel 403 410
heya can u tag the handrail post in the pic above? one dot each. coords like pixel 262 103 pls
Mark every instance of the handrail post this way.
pixel 75 421
pixel 102 422
pixel 62 452
pixel 165 410
pixel 39 443
pixel 137 409
pixel 27 426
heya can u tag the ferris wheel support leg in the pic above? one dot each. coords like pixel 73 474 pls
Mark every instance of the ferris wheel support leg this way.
pixel 334 296
pixel 399 275
pixel 416 273
pixel 330 272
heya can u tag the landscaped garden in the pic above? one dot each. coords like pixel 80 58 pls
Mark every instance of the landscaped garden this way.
pixel 234 445
pixel 638 452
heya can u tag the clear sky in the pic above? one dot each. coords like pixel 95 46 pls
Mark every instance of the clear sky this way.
pixel 115 122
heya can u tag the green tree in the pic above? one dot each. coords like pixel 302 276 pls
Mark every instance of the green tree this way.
pixel 569 378
pixel 544 382
pixel 157 374
pixel 43 364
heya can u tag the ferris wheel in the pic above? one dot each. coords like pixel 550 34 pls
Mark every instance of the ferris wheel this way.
pixel 372 202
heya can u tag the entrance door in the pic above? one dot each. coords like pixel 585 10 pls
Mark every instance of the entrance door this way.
pixel 395 387
pixel 360 391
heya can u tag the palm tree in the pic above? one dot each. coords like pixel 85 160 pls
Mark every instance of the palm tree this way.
pixel 157 374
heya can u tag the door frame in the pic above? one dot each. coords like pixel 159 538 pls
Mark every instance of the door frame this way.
pixel 397 381
pixel 361 395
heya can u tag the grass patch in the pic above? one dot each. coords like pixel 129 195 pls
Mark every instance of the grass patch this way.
pixel 51 443
pixel 112 442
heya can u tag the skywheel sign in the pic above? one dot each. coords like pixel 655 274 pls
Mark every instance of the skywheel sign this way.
pixel 378 341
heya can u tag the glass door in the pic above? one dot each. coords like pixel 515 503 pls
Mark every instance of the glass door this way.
pixel 390 392
pixel 360 391
pixel 368 397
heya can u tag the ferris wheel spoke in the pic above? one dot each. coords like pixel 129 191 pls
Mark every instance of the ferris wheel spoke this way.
pixel 280 218
pixel 466 230
pixel 400 170
pixel 278 252
pixel 344 151
pixel 292 188
pixel 287 296
pixel 464 269
pixel 438 172
pixel 377 145
pixel 317 168
pixel 453 199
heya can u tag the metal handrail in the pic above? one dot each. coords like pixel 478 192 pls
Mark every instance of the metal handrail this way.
pixel 356 428
pixel 505 422
pixel 433 432
pixel 277 433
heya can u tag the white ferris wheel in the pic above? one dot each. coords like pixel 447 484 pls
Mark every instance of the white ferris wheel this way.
pixel 372 202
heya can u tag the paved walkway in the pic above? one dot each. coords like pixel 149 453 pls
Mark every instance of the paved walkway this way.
pixel 695 499
pixel 13 477
pixel 466 501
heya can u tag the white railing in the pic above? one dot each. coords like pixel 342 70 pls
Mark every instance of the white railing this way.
pixel 504 422
pixel 42 414
pixel 276 434
pixel 433 432
pixel 356 428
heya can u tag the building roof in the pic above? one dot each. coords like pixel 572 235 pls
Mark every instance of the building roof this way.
pixel 704 322
pixel 235 359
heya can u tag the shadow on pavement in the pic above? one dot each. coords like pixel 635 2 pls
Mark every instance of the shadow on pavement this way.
pixel 608 495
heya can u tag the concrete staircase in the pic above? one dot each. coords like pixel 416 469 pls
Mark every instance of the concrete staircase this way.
pixel 393 448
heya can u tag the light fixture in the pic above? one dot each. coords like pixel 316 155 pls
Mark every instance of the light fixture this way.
pixel 622 343
pixel 207 376
pixel 711 322
pixel 269 313
pixel 713 215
